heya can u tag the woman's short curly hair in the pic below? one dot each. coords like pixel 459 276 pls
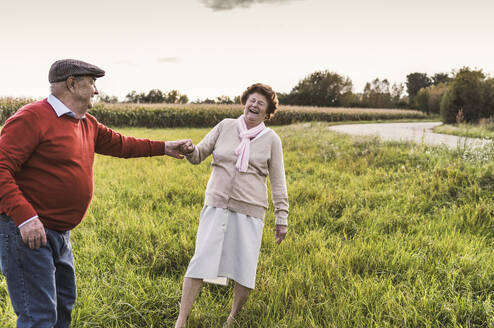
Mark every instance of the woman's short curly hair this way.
pixel 267 92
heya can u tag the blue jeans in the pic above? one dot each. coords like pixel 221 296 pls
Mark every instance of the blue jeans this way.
pixel 41 282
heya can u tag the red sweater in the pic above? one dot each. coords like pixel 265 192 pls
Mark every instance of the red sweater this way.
pixel 46 163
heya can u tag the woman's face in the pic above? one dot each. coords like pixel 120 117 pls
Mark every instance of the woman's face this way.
pixel 255 109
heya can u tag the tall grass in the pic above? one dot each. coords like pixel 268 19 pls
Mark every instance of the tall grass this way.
pixel 484 129
pixel 380 235
pixel 198 115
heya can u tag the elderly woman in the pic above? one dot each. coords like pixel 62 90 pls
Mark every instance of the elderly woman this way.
pixel 230 229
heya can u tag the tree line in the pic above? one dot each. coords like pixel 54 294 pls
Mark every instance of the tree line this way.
pixel 321 88
pixel 156 96
pixel 465 96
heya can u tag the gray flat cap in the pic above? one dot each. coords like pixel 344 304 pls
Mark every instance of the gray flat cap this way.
pixel 62 69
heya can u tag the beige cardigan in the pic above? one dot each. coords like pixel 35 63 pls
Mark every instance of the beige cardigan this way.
pixel 244 192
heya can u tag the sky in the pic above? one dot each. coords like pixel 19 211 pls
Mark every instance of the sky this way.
pixel 208 48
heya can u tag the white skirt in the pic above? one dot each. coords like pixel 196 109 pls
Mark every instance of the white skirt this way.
pixel 227 245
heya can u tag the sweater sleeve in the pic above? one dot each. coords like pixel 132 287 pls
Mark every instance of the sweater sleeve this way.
pixel 278 183
pixel 109 142
pixel 206 146
pixel 19 139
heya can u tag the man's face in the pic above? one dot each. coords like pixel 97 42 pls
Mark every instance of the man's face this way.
pixel 85 89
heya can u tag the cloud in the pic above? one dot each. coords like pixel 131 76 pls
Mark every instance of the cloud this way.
pixel 172 60
pixel 231 4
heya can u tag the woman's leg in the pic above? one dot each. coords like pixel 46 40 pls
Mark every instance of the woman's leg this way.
pixel 240 295
pixel 190 290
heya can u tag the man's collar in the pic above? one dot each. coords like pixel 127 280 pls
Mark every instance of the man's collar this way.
pixel 60 107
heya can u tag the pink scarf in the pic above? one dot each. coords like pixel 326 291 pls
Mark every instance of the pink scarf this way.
pixel 243 150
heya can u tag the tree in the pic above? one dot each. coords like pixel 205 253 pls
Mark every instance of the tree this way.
pixel 439 78
pixel 286 98
pixel 376 94
pixel 321 88
pixel 157 96
pixel 171 97
pixel 415 82
pixel 380 94
pixel 436 94
pixel 396 92
pixel 107 98
pixel 469 92
pixel 350 99
pixel 488 99
pixel 422 100
pixel 183 99
pixel 205 101
pixel 428 100
pixel 134 97
pixel 224 100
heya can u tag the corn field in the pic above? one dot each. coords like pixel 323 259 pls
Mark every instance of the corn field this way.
pixel 206 115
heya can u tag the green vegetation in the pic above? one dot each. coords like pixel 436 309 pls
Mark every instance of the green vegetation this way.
pixel 379 94
pixel 8 106
pixel 155 96
pixel 415 82
pixel 380 235
pixel 325 88
pixel 483 130
pixel 428 100
pixel 321 88
pixel 205 115
pixel 469 98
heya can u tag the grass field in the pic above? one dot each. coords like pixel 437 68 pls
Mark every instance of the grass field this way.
pixel 380 235
pixel 485 130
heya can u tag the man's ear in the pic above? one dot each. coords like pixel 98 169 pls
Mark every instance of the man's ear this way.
pixel 70 83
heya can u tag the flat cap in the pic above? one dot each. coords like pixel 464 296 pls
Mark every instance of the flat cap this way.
pixel 62 69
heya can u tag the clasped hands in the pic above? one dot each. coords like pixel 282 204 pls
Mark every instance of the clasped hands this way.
pixel 179 148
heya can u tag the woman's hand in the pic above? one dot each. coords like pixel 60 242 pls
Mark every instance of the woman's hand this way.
pixel 178 148
pixel 281 231
pixel 187 148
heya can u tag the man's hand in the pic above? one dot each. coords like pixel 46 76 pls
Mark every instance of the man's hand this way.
pixel 281 231
pixel 187 148
pixel 174 148
pixel 33 233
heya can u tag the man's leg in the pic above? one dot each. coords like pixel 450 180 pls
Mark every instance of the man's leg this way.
pixel 30 278
pixel 65 280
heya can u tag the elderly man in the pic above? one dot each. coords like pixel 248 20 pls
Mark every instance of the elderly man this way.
pixel 46 177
